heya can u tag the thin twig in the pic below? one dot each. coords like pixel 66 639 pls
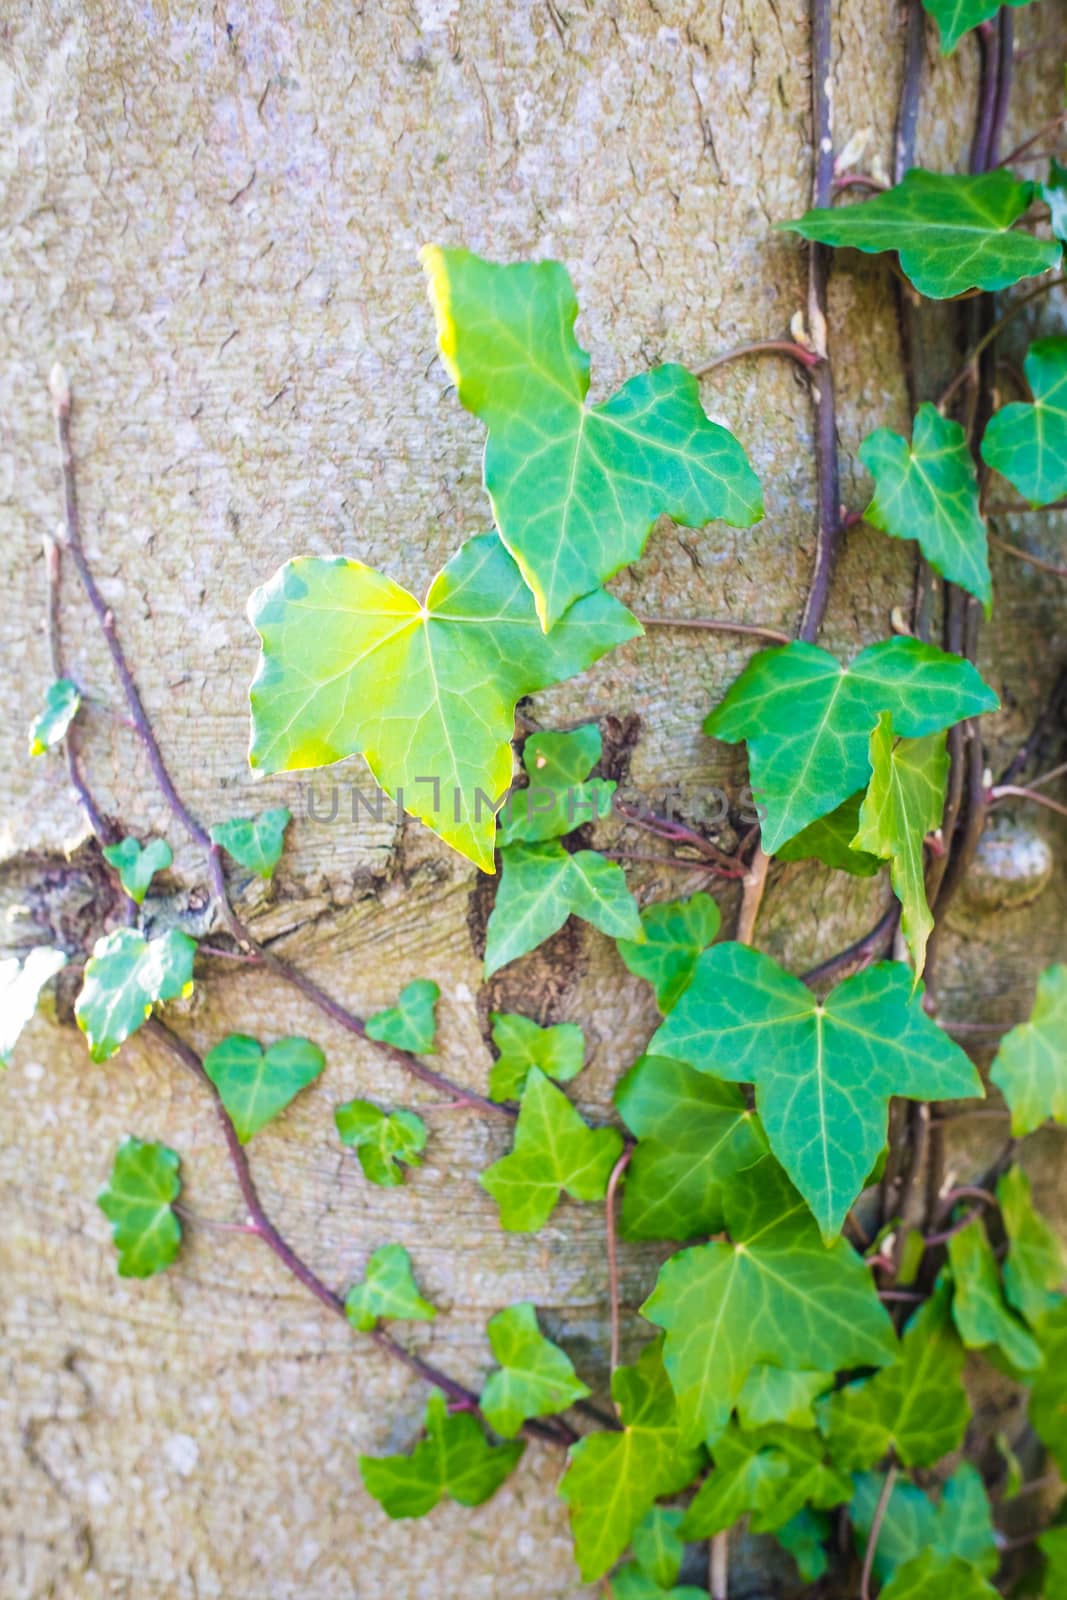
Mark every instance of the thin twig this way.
pixel 991 333
pixel 876 1529
pixel 613 1262
pixel 719 1565
pixel 759 347
pixel 858 180
pixel 718 625
pixel 857 955
pixel 1025 555
pixel 1004 791
pixel 101 827
pixel 1021 149
pixel 678 833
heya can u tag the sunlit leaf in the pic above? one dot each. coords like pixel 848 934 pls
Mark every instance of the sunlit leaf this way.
pixel 389 1290
pixel 1048 1393
pixel 137 865
pixel 21 983
pixel 558 1051
pixel 255 842
pixel 454 1460
pixel 256 1084
pixel 535 1377
pixel 947 1577
pixel 1030 1069
pixel 410 1024
pixel 954 18
pixel 1026 442
pixel 381 1139
pixel 658 1546
pixel 541 885
pixel 558 798
pixel 124 978
pixel 138 1201
pixel 554 1152
pixel 61 704
pixel 778 1394
pixel 979 1309
pixel 676 931
pixel 772 1475
pixel 1035 1268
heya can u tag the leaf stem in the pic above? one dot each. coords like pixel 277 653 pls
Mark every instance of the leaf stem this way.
pixel 613 1261
pixel 718 625
pixel 719 1565
pixel 876 1529
pixel 1027 144
pixel 1025 555
pixel 1005 791
pixel 752 896
pixel 785 347
pixel 992 333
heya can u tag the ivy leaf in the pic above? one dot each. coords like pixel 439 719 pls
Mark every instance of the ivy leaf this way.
pixel 388 1290
pixel 61 705
pixel 776 1394
pixel 658 1546
pixel 676 931
pixel 952 232
pixel 558 798
pixel 455 1459
pixel 824 1070
pixel 1035 1269
pixel 256 1084
pixel 541 885
pixel 959 1527
pixel 949 1577
pixel 772 1475
pixel 1030 1068
pixel 954 18
pixel 978 1306
pixel 137 865
pixel 905 801
pixel 918 1407
pixel 805 1537
pixel 773 1292
pixel 575 489
pixel 630 1583
pixel 554 1151
pixel 124 978
pixel 1027 443
pixel 381 1139
pixel 410 1024
pixel 137 1201
pixel 808 720
pixel 558 1051
pixel 255 842
pixel 613 1478
pixel 1053 1546
pixel 928 491
pixel 829 840
pixel 351 663
pixel 1048 1397
pixel 536 1378
pixel 20 988
pixel 1054 194
pixel 694 1135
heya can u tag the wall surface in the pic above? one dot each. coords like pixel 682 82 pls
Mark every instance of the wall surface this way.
pixel 212 216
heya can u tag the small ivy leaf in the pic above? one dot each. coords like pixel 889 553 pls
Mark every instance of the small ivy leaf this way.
pixel 559 1052
pixel 928 491
pixel 125 976
pixel 388 1290
pixel 61 705
pixel 829 840
pixel 575 489
pixel 353 664
pixel 455 1459
pixel 694 1135
pixel 631 1583
pixel 1027 443
pixel 676 931
pixel 1054 194
pixel 255 842
pixel 1053 1546
pixel 541 885
pixel 1030 1068
pixel 773 1292
pixel 410 1024
pixel 137 1200
pixel 771 1475
pixel 1048 1399
pixel 137 865
pixel 20 988
pixel 613 1478
pixel 949 1577
pixel 554 1151
pixel 256 1084
pixel 954 18
pixel 778 1395
pixel 1035 1269
pixel 808 720
pixel 824 1070
pixel 960 1527
pixel 952 232
pixel 535 1379
pixel 658 1546
pixel 381 1139
pixel 905 801
pixel 805 1537
pixel 978 1306
pixel 917 1407
pixel 558 798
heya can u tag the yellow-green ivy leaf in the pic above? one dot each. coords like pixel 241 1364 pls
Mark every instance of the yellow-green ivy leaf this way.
pixel 658 1546
pixel 778 1394
pixel 61 704
pixel 558 798
pixel 559 1052
pixel 389 1290
pixel 1048 1395
pixel 381 1139
pixel 410 1024
pixel 979 1309
pixel 256 1084
pixel 21 983
pixel 947 1577
pixel 541 885
pixel 676 931
pixel 1035 1268
pixel 535 1377
pixel 255 842
pixel 1030 1069
pixel 137 864
pixel 770 1475
pixel 453 1460
pixel 1026 442
pixel 124 978
pixel 138 1201
pixel 829 840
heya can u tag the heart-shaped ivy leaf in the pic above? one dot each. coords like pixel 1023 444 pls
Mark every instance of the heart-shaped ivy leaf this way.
pixel 124 978
pixel 138 1201
pixel 61 704
pixel 675 933
pixel 535 1377
pixel 256 1084
pixel 559 1052
pixel 1026 442
pixel 410 1024
pixel 255 842
pixel 388 1290
pixel 381 1139
pixel 558 798
pixel 137 864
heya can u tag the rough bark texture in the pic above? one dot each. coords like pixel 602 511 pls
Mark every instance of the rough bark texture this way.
pixel 211 216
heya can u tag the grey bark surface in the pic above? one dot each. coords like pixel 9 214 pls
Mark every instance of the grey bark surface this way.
pixel 211 216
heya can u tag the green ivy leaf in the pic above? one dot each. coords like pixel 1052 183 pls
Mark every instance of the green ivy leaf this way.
pixel 658 1546
pixel 630 1583
pixel 559 1052
pixel 554 1151
pixel 410 1024
pixel 455 1459
pixel 978 1306
pixel 918 1407
pixel 777 1394
pixel 676 931
pixel 774 1292
pixel 255 842
pixel 558 798
pixel 137 1201
pixel 541 885
pixel 829 840
pixel 613 1478
pixel 124 978
pixel 575 489
pixel 1054 194
pixel 952 232
pixel 1030 1069
pixel 928 491
pixel 351 663
pixel 1053 1546
pixel 905 801
pixel 824 1070
pixel 808 720
pixel 381 1139
pixel 771 1475
pixel 805 1537
pixel 137 865
pixel 61 705
pixel 536 1378
pixel 694 1135
pixel 1035 1269
pixel 388 1290
pixel 954 18
pixel 1048 1396
pixel 959 1527
pixel 1027 443
pixel 256 1084
pixel 949 1577
pixel 20 987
